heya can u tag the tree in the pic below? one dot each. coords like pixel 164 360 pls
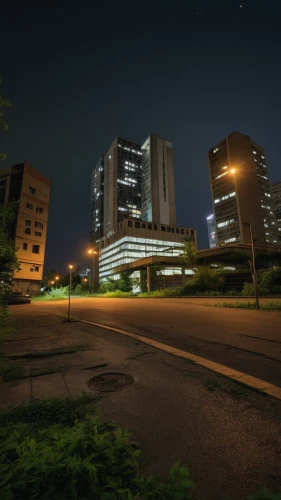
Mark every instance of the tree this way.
pixel 189 254
pixel 8 258
pixel 4 103
pixel 125 283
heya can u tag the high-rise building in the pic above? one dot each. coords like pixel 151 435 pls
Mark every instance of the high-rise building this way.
pixel 241 191
pixel 212 231
pixel 139 215
pixel 276 196
pixel 97 202
pixel 122 182
pixel 31 189
pixel 158 190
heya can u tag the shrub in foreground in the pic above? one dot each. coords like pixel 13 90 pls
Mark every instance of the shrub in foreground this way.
pixel 79 457
pixel 90 460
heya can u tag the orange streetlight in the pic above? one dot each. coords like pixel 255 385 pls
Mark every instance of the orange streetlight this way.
pixel 232 171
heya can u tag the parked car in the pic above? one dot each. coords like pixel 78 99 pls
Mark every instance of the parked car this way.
pixel 18 298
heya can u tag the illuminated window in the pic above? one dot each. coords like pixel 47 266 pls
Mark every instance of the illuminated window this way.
pixel 215 150
pixel 221 175
pixel 230 240
pixel 226 223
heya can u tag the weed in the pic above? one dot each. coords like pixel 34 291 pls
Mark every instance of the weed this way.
pixel 69 319
pixel 231 388
pixel 139 354
pixel 187 360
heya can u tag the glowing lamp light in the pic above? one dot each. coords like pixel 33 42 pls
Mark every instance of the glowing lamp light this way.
pixel 232 171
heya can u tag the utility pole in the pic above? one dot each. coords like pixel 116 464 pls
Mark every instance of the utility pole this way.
pixel 69 290
pixel 253 266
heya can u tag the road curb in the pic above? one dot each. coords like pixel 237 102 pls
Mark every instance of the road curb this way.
pixel 240 377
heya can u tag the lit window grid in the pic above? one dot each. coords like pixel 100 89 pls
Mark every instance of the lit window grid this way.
pixel 121 252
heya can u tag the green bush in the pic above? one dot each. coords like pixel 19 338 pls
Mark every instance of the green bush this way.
pixel 268 306
pixel 54 294
pixel 204 280
pixel 270 280
pixel 108 286
pixel 248 290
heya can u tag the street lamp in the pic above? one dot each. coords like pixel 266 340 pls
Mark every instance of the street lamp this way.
pixel 91 251
pixel 253 264
pixel 70 279
pixel 57 278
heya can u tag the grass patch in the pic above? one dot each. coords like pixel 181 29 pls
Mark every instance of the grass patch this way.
pixel 52 352
pixel 41 413
pixel 268 306
pixel 10 370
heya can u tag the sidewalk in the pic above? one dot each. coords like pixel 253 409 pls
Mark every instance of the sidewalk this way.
pixel 229 436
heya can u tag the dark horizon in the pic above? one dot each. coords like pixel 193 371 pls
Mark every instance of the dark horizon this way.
pixel 79 77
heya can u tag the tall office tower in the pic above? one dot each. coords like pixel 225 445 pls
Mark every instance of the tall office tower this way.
pixel 241 191
pixel 158 188
pixel 276 196
pixel 122 183
pixel 97 201
pixel 31 189
pixel 212 231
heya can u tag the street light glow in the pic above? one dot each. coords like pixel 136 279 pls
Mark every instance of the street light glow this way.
pixel 57 277
pixel 70 267
pixel 232 171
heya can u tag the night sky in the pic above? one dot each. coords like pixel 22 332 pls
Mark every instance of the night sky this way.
pixel 77 77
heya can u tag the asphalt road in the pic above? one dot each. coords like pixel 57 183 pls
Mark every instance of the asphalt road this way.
pixel 248 341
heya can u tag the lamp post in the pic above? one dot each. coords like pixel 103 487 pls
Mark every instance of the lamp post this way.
pixel 91 252
pixel 57 278
pixel 253 264
pixel 69 290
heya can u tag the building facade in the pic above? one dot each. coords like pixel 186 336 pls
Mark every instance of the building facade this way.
pixel 122 182
pixel 158 190
pixel 31 189
pixel 276 197
pixel 241 191
pixel 132 240
pixel 97 202
pixel 212 231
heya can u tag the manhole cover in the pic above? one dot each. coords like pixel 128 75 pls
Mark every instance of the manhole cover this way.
pixel 110 381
